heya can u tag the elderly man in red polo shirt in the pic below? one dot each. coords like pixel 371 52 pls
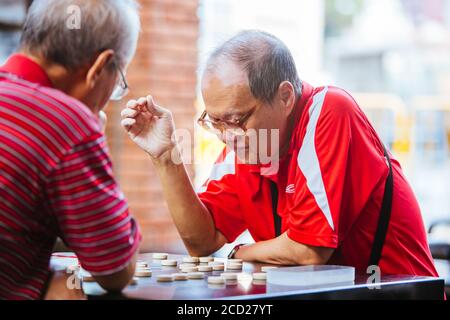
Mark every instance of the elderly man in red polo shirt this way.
pixel 336 197
pixel 55 172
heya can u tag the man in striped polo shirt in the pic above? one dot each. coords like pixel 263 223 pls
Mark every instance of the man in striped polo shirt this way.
pixel 56 178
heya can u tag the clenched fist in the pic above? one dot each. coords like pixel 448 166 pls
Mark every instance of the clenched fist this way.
pixel 150 126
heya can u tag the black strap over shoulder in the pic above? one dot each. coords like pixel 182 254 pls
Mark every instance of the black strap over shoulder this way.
pixel 383 221
pixel 385 215
pixel 276 217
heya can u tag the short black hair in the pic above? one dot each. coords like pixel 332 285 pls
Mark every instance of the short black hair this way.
pixel 266 59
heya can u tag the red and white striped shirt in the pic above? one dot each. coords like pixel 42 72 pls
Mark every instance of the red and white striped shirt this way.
pixel 56 180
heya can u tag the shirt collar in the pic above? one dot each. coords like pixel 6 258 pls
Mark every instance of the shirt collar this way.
pixel 26 69
pixel 307 91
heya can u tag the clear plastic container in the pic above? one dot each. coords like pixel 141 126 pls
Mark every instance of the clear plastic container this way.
pixel 309 276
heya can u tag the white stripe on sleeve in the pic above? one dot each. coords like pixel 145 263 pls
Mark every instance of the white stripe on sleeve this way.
pixel 308 160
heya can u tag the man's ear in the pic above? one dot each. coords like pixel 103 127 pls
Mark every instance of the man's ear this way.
pixel 99 65
pixel 287 95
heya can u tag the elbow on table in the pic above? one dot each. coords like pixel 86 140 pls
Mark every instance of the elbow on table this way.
pixel 203 247
pixel 200 250
pixel 116 282
pixel 113 287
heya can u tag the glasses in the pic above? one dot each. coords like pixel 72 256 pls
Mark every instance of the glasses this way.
pixel 237 127
pixel 121 89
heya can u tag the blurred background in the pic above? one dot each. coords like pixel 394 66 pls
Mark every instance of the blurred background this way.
pixel 393 56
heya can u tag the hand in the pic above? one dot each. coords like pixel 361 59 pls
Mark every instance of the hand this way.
pixel 150 126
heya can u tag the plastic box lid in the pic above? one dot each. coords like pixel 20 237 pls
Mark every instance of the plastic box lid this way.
pixel 311 275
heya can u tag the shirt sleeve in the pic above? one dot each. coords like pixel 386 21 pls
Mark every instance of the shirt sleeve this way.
pixel 91 211
pixel 323 162
pixel 219 195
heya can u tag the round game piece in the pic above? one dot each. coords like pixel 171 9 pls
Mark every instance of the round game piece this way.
pixel 141 264
pixel 262 276
pixel 143 273
pixel 180 276
pixel 205 269
pixel 138 265
pixel 196 275
pixel 235 261
pixel 191 259
pixel 234 266
pixel 189 269
pixel 205 259
pixel 160 256
pixel 229 276
pixel 259 282
pixel 187 265
pixel 169 263
pixel 214 286
pixel 267 268
pixel 164 278
pixel 216 280
pixel 215 263
pixel 218 267
pixel 142 269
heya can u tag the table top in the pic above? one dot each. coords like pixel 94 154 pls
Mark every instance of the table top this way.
pixel 150 289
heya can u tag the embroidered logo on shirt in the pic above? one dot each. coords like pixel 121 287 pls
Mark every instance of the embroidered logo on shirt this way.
pixel 290 188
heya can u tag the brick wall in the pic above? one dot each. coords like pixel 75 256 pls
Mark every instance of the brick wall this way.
pixel 165 66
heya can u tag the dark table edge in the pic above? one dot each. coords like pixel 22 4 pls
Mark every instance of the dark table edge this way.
pixel 302 294
pixel 438 284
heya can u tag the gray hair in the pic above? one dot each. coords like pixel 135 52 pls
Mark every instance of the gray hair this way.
pixel 265 58
pixel 104 24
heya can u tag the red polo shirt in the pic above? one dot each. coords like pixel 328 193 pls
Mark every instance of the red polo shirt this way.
pixel 56 180
pixel 331 186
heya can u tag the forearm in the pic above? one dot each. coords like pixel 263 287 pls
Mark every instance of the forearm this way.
pixel 152 128
pixel 284 251
pixel 192 219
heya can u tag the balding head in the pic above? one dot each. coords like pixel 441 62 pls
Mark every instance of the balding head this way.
pixel 265 60
pixel 104 24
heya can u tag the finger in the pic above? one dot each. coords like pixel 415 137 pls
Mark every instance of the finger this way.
pixel 128 123
pixel 154 108
pixel 142 103
pixel 132 104
pixel 129 113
